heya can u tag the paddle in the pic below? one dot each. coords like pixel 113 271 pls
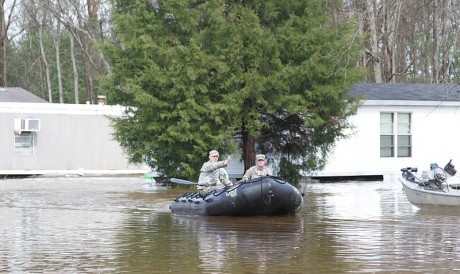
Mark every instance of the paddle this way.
pixel 183 182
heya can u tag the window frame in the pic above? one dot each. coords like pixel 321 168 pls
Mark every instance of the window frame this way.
pixel 407 148
pixel 387 150
pixel 397 124
pixel 24 148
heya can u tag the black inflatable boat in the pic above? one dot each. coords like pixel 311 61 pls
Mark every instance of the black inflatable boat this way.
pixel 267 195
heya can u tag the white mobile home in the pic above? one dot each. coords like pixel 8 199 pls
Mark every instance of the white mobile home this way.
pixel 43 138
pixel 399 125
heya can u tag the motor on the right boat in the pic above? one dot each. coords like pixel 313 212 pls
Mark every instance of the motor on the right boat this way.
pixel 435 177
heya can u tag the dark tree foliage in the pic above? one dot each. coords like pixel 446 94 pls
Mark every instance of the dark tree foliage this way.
pixel 268 76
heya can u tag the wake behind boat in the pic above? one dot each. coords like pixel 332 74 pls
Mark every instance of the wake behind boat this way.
pixel 267 195
pixel 432 188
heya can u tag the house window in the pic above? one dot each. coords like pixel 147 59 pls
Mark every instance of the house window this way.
pixel 404 140
pixel 395 135
pixel 387 147
pixel 24 143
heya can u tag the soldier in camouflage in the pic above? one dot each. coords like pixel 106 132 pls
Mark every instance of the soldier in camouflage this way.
pixel 210 174
pixel 258 170
pixel 224 180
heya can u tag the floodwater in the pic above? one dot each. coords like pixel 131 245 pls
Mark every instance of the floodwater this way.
pixel 123 225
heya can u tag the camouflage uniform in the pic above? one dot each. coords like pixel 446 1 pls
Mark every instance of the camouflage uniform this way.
pixel 224 180
pixel 210 175
pixel 254 172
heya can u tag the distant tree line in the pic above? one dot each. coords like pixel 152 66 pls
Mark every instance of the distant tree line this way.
pixel 50 47
pixel 408 40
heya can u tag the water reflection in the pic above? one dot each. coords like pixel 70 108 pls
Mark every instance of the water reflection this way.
pixel 376 229
pixel 256 242
pixel 116 225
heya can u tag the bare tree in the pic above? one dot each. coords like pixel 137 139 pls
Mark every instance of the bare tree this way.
pixel 57 46
pixel 374 41
pixel 410 40
pixel 446 17
pixel 405 40
pixel 80 27
pixel 75 70
pixel 45 64
pixel 5 21
pixel 391 10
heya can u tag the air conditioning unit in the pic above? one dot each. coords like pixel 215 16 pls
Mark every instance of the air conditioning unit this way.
pixel 26 124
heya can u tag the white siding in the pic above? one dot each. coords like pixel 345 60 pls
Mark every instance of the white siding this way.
pixel 435 139
pixel 72 138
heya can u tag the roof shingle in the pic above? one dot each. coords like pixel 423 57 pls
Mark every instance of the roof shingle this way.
pixel 19 95
pixel 407 91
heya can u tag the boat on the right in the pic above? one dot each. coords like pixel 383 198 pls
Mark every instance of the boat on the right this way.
pixel 432 188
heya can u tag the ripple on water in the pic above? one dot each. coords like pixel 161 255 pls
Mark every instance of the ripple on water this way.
pixel 80 225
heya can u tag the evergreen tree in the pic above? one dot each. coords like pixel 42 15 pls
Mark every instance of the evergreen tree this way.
pixel 269 76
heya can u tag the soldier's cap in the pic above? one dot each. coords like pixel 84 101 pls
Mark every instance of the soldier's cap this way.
pixel 213 153
pixel 260 157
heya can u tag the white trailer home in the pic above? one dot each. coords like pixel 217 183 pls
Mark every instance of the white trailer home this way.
pixel 399 125
pixel 43 138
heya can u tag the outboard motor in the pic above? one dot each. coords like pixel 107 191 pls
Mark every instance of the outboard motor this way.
pixel 450 168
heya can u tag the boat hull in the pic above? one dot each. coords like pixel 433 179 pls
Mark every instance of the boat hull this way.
pixel 422 197
pixel 262 196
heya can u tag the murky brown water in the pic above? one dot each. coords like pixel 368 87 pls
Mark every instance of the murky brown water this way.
pixel 116 225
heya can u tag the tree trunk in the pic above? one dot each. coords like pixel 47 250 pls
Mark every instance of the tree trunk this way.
pixel 386 41
pixel 392 12
pixel 360 8
pixel 3 36
pixel 45 64
pixel 446 17
pixel 374 41
pixel 57 45
pixel 434 54
pixel 88 78
pixel 249 153
pixel 249 142
pixel 75 71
